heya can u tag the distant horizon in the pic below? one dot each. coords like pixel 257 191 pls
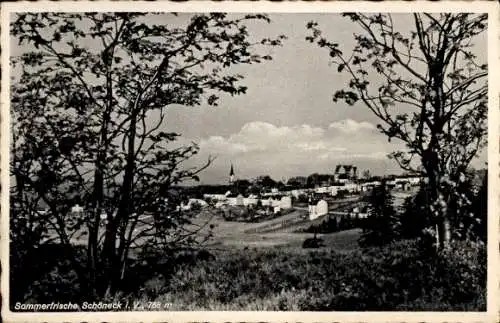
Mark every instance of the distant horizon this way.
pixel 226 183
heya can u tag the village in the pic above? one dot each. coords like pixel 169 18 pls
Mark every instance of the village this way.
pixel 345 184
pixel 341 199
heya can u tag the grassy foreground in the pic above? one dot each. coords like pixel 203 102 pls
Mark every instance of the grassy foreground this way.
pixel 399 276
pixel 396 277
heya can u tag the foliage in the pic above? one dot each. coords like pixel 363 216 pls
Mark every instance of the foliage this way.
pixel 47 275
pixel 480 207
pixel 313 243
pixel 379 227
pixel 341 193
pixel 315 180
pixel 465 265
pixel 88 124
pixel 241 186
pixel 415 215
pixel 302 198
pixel 431 92
pixel 468 213
pixel 468 208
pixel 397 276
pixel 265 183
pixel 334 224
pixel 297 182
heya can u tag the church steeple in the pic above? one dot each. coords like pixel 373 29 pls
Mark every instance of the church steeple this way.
pixel 231 174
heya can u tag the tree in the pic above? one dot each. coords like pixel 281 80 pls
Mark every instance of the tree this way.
pixel 316 179
pixel 415 215
pixel 431 92
pixel 379 227
pixel 297 181
pixel 241 186
pixel 469 209
pixel 480 208
pixel 89 114
pixel 265 182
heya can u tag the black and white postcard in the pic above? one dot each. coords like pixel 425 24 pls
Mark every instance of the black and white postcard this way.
pixel 223 161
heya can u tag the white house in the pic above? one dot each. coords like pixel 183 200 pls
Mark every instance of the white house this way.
pixel 352 187
pixel 216 197
pixel 320 209
pixel 189 205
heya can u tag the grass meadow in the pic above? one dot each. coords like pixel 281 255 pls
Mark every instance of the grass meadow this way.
pixel 396 277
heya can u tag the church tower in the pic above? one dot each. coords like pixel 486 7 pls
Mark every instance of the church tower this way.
pixel 231 175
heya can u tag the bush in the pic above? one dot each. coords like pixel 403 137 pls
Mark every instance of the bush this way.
pixel 414 218
pixel 302 198
pixel 313 243
pixel 461 270
pixel 379 227
pixel 196 206
pixel 47 276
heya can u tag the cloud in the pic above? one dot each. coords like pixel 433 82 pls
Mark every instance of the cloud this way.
pixel 344 138
pixel 265 137
pixel 351 126
pixel 263 148
pixel 218 144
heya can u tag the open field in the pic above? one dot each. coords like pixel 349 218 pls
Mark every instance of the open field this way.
pixel 231 235
pixel 396 277
pixel 284 231
pixel 291 221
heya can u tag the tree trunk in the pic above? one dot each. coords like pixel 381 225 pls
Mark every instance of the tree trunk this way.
pixel 436 226
pixel 94 266
pixel 112 252
pixel 91 261
pixel 441 219
pixel 445 233
pixel 93 225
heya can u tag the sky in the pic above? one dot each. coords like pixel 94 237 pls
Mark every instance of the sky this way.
pixel 287 124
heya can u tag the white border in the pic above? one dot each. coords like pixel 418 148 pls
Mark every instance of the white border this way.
pixel 492 313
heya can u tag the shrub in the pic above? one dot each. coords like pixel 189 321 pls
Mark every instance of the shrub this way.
pixel 313 243
pixel 414 217
pixel 461 271
pixel 379 226
pixel 302 198
pixel 48 276
pixel 196 206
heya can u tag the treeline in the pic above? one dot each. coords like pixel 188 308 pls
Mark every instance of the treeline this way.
pixel 417 217
pixel 334 224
